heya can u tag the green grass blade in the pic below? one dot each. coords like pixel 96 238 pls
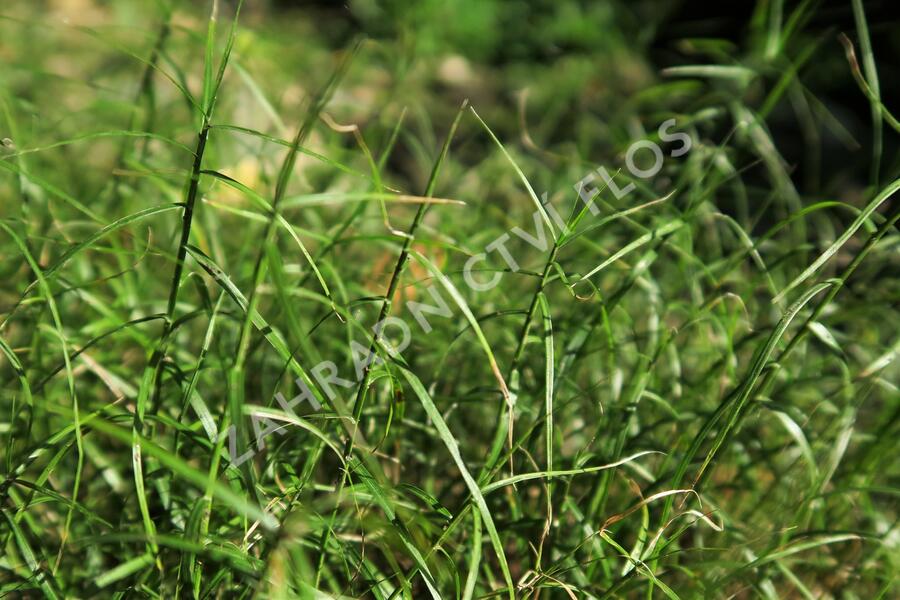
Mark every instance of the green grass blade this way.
pixel 863 216
pixel 453 447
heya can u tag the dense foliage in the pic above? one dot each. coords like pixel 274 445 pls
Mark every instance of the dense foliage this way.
pixel 453 299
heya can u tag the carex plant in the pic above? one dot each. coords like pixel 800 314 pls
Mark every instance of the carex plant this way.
pixel 485 303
